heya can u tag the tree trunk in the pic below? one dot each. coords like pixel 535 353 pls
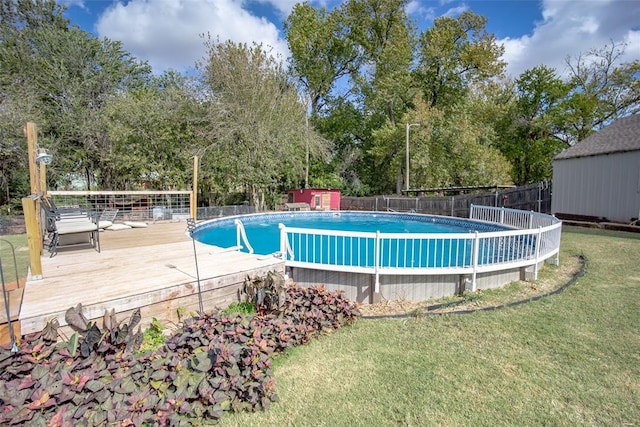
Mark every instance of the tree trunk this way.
pixel 255 197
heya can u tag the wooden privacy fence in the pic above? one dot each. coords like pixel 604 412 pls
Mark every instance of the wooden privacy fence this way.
pixel 533 197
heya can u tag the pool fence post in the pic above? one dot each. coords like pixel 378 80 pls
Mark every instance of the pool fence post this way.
pixel 376 266
pixel 502 215
pixel 530 220
pixel 476 246
pixel 283 241
pixel 283 249
pixel 282 234
pixel 471 211
pixel 556 244
pixel 535 267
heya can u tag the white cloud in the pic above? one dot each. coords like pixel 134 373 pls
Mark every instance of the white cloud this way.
pixel 168 33
pixel 283 6
pixel 455 11
pixel 69 3
pixel 570 28
pixel 414 6
pixel 633 45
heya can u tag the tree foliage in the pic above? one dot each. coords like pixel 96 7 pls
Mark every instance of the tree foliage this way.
pixel 61 79
pixel 322 51
pixel 531 134
pixel 150 128
pixel 336 117
pixel 383 34
pixel 602 90
pixel 255 137
pixel 550 114
pixel 455 53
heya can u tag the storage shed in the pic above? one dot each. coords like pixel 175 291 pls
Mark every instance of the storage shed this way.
pixel 599 177
pixel 317 198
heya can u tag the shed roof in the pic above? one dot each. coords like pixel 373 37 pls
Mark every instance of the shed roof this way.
pixel 295 190
pixel 622 135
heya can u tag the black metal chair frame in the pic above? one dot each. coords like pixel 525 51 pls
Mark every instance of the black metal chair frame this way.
pixel 63 223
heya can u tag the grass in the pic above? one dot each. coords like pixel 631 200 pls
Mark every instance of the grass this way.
pixel 549 280
pixel 567 360
pixel 19 243
pixel 240 308
pixel 153 337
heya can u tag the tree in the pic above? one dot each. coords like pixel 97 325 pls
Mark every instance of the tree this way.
pixel 550 114
pixel 321 50
pixel 449 148
pixel 18 107
pixel 62 78
pixel 532 133
pixel 255 137
pixel 347 128
pixel 368 125
pixel 79 86
pixel 386 37
pixel 150 128
pixel 16 15
pixel 455 53
pixel 602 91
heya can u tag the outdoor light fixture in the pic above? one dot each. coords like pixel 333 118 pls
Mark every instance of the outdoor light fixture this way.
pixel 43 157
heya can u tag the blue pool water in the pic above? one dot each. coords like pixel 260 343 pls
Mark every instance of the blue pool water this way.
pixel 264 235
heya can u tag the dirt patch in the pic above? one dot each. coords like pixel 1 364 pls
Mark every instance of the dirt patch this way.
pixel 550 279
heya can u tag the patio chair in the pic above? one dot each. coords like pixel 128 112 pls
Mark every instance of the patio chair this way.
pixel 107 218
pixel 58 223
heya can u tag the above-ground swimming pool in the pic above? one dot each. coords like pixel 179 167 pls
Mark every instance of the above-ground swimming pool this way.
pixel 353 248
pixel 263 232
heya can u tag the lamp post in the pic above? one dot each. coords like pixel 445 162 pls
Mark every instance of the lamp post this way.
pixel 408 125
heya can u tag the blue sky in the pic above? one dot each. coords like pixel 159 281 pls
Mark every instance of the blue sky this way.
pixel 168 33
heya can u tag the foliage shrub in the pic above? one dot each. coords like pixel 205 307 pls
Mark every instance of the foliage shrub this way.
pixel 240 308
pixel 215 362
pixel 153 337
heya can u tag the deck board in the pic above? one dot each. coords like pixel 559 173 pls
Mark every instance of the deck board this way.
pixel 136 267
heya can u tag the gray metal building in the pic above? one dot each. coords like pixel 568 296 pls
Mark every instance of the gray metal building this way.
pixel 600 176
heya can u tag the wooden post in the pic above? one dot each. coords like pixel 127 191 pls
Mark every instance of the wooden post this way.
pixel 34 179
pixel 32 147
pixel 194 191
pixel 42 183
pixel 34 240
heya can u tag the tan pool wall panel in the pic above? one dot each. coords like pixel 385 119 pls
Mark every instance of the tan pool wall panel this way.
pixel 359 287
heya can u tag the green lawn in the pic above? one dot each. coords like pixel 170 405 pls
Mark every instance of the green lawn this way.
pixel 567 360
pixel 19 243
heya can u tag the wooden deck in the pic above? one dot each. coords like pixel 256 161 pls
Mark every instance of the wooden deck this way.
pixel 149 268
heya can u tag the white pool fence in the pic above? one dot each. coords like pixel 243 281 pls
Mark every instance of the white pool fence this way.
pixel 529 239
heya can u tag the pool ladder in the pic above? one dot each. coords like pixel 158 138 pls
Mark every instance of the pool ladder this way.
pixel 241 234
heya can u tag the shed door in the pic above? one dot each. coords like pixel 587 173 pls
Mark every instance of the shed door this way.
pixel 326 200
